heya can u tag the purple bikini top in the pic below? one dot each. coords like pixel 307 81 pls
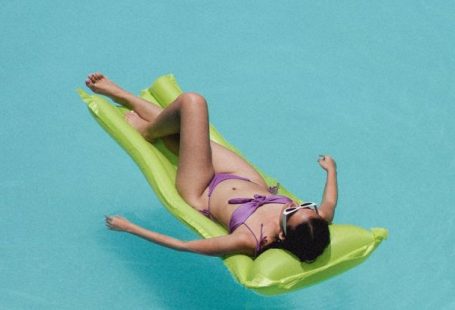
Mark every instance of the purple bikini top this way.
pixel 249 206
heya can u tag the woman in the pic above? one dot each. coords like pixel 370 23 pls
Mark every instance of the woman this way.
pixel 223 186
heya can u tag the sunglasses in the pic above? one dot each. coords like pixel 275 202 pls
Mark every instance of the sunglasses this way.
pixel 291 210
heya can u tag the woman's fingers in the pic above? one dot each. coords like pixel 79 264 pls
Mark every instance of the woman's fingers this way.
pixel 326 162
pixel 321 158
pixel 109 222
pixel 325 158
pixel 115 222
pixel 111 227
pixel 110 219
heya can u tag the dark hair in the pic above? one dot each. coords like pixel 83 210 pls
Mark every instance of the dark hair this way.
pixel 307 241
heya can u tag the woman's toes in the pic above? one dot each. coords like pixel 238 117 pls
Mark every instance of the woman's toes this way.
pixel 92 78
pixel 89 83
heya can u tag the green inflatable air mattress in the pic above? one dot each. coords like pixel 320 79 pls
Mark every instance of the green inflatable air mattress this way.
pixel 273 272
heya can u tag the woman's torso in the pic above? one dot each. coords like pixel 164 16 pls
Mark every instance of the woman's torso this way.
pixel 220 208
pixel 226 161
pixel 222 211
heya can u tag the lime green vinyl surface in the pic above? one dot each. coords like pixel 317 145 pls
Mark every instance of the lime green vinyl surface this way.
pixel 273 272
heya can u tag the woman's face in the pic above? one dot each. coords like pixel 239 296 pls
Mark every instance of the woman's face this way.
pixel 296 218
pixel 299 217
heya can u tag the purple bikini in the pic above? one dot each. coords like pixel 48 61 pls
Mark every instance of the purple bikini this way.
pixel 248 205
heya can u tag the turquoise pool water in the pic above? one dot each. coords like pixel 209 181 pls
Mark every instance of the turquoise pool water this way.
pixel 370 83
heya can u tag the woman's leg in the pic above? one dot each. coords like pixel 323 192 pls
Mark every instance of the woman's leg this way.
pixel 221 159
pixel 187 116
pixel 146 111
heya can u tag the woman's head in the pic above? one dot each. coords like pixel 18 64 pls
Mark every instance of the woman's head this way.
pixel 303 232
pixel 307 239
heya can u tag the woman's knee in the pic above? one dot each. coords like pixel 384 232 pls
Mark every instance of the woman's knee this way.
pixel 193 100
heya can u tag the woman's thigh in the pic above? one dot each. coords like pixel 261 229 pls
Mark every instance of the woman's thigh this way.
pixel 199 157
pixel 195 168
pixel 223 159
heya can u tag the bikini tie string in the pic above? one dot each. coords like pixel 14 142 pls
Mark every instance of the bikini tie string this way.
pixel 250 205
pixel 257 201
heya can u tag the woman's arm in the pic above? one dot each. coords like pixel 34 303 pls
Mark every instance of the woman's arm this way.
pixel 330 196
pixel 218 246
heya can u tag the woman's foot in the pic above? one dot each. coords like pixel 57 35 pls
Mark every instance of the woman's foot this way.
pixel 100 84
pixel 139 123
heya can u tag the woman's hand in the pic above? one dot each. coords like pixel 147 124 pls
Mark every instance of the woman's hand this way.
pixel 327 163
pixel 117 223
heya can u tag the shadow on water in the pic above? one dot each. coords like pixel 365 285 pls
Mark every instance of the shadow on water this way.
pixel 183 280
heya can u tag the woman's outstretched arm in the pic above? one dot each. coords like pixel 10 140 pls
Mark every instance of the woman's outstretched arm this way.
pixel 330 196
pixel 217 246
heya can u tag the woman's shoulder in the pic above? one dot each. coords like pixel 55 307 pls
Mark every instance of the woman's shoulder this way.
pixel 245 239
